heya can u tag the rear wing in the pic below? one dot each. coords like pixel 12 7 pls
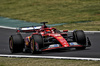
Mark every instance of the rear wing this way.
pixel 28 29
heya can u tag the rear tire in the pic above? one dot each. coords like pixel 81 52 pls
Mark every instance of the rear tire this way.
pixel 36 44
pixel 79 37
pixel 16 43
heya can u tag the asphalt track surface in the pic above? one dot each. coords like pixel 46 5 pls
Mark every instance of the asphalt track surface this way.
pixel 89 52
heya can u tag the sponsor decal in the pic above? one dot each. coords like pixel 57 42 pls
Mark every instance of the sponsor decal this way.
pixel 37 27
pixel 27 40
pixel 73 43
pixel 59 37
pixel 65 45
pixel 27 28
pixel 54 45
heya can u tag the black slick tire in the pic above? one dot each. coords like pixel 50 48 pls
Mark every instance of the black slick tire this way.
pixel 16 43
pixel 36 44
pixel 79 37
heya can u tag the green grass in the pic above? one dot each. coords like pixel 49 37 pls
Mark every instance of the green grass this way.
pixel 4 61
pixel 88 26
pixel 54 11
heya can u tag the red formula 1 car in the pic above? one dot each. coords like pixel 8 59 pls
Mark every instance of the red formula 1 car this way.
pixel 41 38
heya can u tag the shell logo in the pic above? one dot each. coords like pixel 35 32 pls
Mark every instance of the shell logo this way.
pixel 60 37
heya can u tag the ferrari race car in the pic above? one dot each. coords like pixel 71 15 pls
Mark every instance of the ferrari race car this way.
pixel 36 39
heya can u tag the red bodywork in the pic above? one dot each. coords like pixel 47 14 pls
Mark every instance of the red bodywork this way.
pixel 50 32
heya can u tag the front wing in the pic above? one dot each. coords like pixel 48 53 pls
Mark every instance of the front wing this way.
pixel 71 45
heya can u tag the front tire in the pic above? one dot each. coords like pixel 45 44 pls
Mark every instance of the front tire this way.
pixel 79 37
pixel 36 44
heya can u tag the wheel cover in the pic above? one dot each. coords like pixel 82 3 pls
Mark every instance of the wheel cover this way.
pixel 36 46
pixel 11 43
pixel 32 45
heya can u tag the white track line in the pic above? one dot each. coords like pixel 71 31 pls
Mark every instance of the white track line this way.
pixel 7 27
pixel 85 31
pixel 50 57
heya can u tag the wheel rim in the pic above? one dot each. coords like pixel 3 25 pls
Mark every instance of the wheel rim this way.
pixel 37 46
pixel 11 44
pixel 32 45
